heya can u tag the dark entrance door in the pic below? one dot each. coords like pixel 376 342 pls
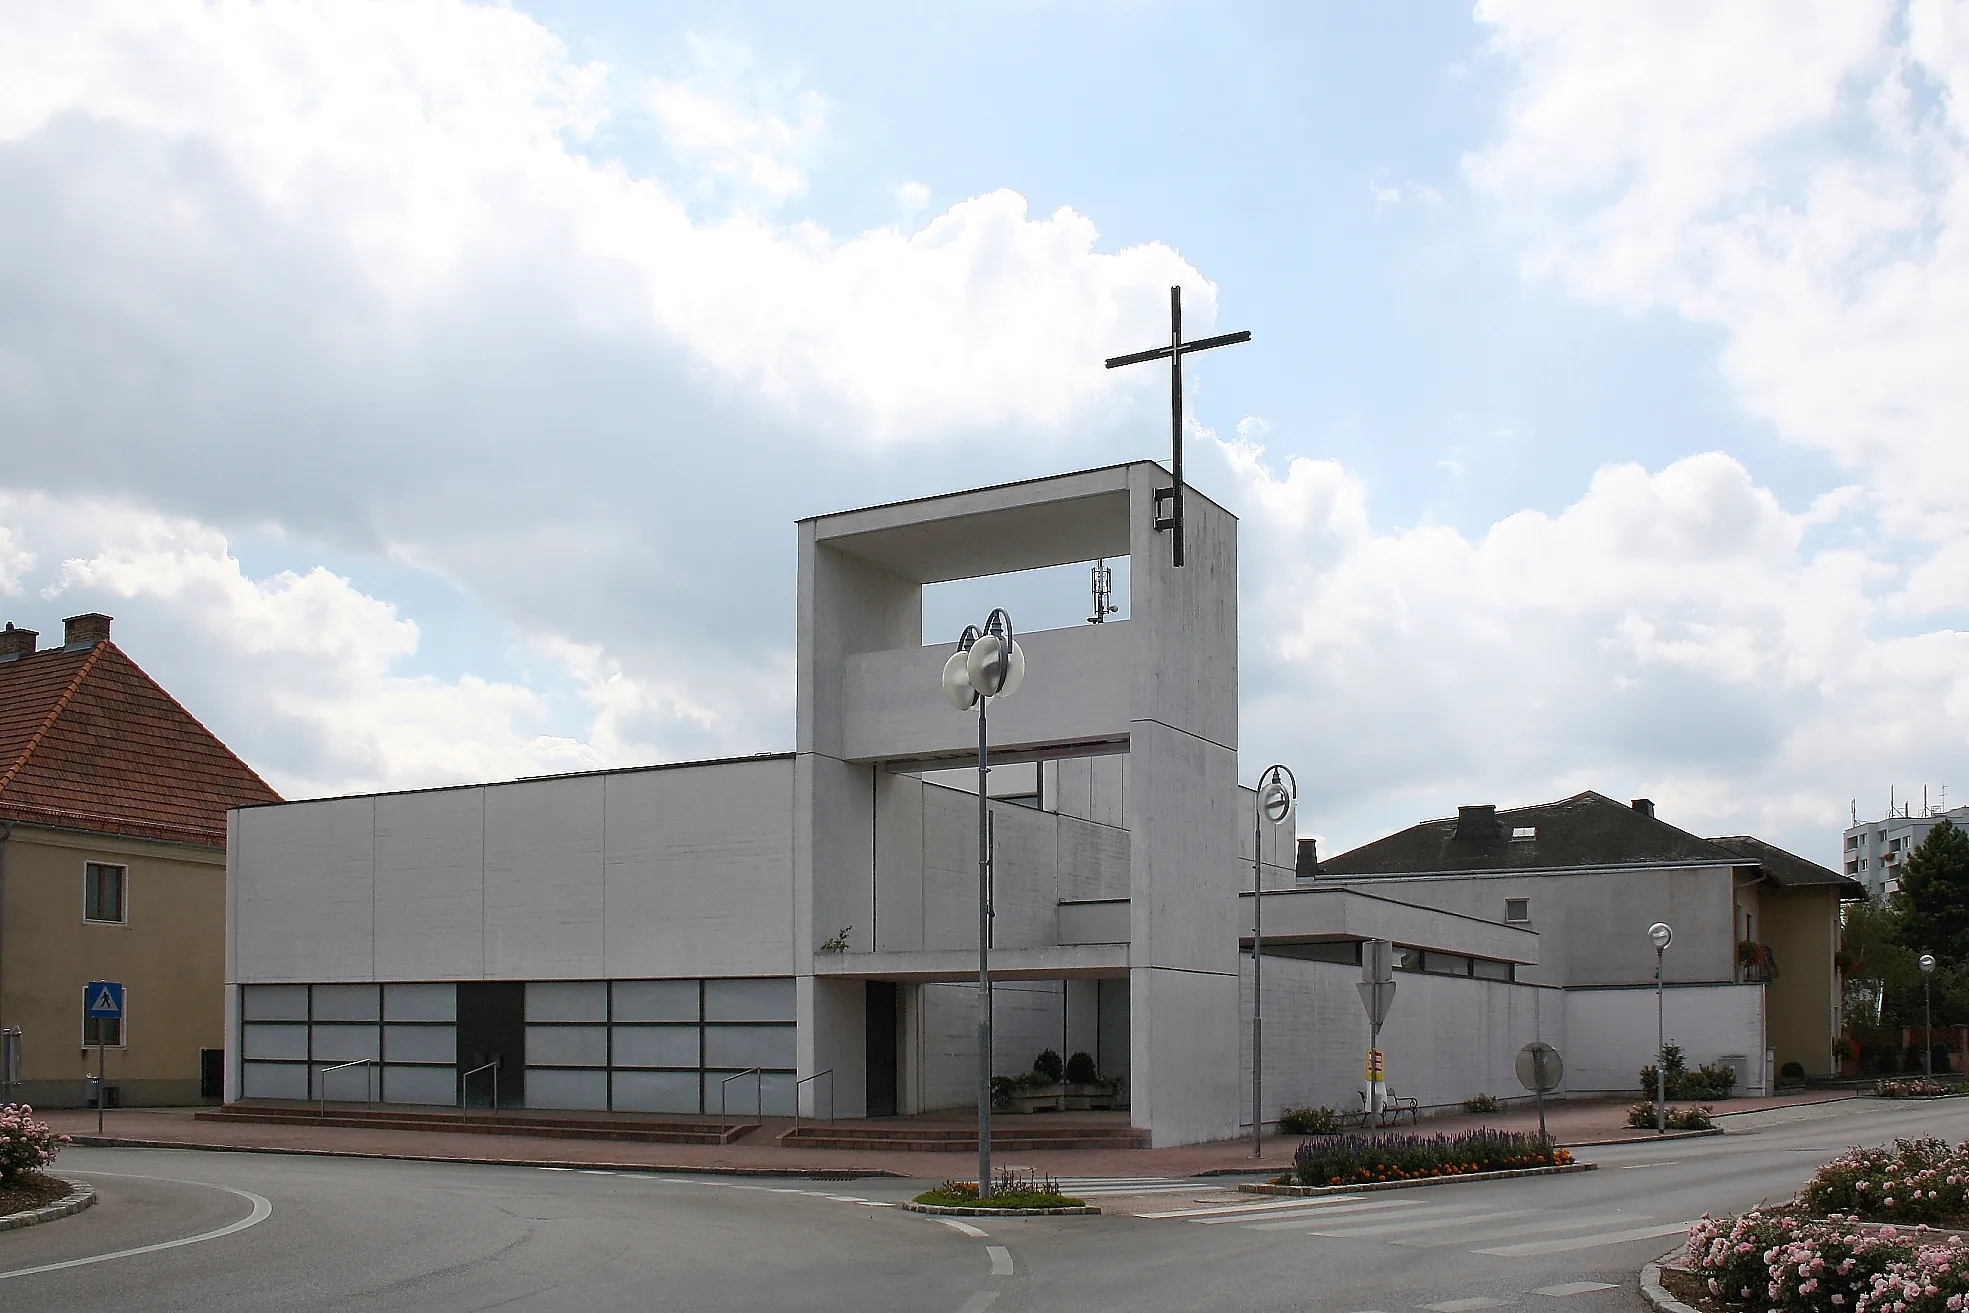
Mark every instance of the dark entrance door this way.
pixel 492 1026
pixel 880 1046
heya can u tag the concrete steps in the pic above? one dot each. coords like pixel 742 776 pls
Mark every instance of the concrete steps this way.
pixel 956 1139
pixel 481 1122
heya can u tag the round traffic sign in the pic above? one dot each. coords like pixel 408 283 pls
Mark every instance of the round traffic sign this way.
pixel 1539 1067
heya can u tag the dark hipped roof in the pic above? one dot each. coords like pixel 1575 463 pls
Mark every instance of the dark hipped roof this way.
pixel 1789 870
pixel 1586 830
pixel 88 741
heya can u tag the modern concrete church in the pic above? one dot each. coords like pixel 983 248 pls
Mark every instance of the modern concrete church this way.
pixel 633 939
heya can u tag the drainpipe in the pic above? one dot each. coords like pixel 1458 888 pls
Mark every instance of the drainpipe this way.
pixel 6 833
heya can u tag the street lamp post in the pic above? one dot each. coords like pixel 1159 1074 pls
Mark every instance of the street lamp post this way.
pixel 1927 1015
pixel 986 665
pixel 1277 788
pixel 1661 937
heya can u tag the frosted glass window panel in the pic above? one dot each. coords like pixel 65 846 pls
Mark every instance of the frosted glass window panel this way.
pixel 566 1046
pixel 345 1003
pixel 567 1000
pixel 344 1043
pixel 420 1002
pixel 348 1085
pixel 776 1093
pixel 770 999
pixel 566 1089
pixel 421 1085
pixel 656 1091
pixel 656 1046
pixel 274 1002
pixel 267 1080
pixel 656 1000
pixel 420 1044
pixel 263 1040
pixel 739 1047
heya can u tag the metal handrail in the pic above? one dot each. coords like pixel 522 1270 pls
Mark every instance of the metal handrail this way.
pixel 463 1082
pixel 829 1073
pixel 758 1093
pixel 321 1101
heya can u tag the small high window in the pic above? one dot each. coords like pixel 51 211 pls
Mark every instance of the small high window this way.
pixel 1523 832
pixel 103 890
pixel 1517 909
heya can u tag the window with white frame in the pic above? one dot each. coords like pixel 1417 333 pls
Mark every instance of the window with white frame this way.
pixel 107 1031
pixel 1517 909
pixel 105 893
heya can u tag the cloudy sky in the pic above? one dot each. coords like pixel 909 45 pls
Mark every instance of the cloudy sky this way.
pixel 428 388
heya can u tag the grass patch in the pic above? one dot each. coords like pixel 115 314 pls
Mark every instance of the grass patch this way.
pixel 28 1190
pixel 1011 1189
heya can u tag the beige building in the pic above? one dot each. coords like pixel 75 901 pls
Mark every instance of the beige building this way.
pixel 113 805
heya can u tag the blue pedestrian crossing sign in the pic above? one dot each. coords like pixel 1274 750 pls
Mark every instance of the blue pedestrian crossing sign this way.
pixel 103 998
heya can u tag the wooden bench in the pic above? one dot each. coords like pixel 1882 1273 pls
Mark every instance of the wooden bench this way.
pixel 1394 1105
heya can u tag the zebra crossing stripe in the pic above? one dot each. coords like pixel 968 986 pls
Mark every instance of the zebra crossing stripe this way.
pixel 1548 1223
pixel 1300 1222
pixel 1586 1242
pixel 1408 1224
pixel 1269 1206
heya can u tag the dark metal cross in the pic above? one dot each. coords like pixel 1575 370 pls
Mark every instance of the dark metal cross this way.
pixel 1174 354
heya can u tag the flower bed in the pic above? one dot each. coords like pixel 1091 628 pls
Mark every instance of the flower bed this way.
pixel 1012 1189
pixel 1856 1239
pixel 1919 1087
pixel 1363 1159
pixel 26 1145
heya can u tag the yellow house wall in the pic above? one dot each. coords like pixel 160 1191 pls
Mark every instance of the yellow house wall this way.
pixel 169 954
pixel 1802 1009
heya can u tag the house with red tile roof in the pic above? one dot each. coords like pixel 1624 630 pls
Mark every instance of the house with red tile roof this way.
pixel 113 801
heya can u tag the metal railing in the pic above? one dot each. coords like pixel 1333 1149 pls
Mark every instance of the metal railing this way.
pixel 368 1085
pixel 758 1094
pixel 829 1073
pixel 464 1086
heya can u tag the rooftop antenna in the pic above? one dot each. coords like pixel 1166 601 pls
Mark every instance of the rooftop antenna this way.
pixel 1924 801
pixel 1856 811
pixel 1103 583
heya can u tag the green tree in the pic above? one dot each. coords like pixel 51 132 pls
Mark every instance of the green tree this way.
pixel 1933 903
pixel 1872 939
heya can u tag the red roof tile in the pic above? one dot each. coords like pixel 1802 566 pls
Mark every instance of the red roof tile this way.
pixel 88 741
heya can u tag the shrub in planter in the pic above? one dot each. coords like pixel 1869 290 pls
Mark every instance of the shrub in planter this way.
pixel 1642 1116
pixel 26 1145
pixel 1914 1181
pixel 1477 1103
pixel 1828 1265
pixel 1792 1073
pixel 1309 1121
pixel 1049 1065
pixel 1359 1159
pixel 1080 1070
pixel 1727 1254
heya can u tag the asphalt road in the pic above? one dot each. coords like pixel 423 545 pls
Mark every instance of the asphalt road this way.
pixel 309 1233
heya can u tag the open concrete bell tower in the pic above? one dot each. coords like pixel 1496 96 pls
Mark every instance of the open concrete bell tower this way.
pixel 1160 686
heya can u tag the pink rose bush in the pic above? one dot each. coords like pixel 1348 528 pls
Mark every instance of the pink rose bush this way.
pixel 26 1145
pixel 1843 1245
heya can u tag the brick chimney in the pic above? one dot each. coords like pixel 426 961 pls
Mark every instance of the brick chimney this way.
pixel 1645 806
pixel 85 630
pixel 16 642
pixel 1306 862
pixel 1477 822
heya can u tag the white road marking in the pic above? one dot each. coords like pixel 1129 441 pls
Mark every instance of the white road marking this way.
pixel 1545 1223
pixel 1460 1305
pixel 1299 1223
pixel 1586 1242
pixel 1408 1224
pixel 1267 1205
pixel 965 1227
pixel 1635 1167
pixel 262 1210
pixel 1001 1260
pixel 1573 1288
pixel 979 1302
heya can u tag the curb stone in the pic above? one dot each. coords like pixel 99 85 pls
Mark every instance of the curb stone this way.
pixel 563 1164
pixel 78 1198
pixel 1404 1185
pixel 946 1210
pixel 1652 1138
pixel 1657 1294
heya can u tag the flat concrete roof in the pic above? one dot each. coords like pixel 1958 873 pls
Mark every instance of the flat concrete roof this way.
pixel 1057 520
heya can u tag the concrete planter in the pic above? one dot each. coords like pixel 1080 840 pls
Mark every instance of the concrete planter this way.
pixel 1089 1098
pixel 78 1198
pixel 1039 1098
pixel 946 1210
pixel 1365 1186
